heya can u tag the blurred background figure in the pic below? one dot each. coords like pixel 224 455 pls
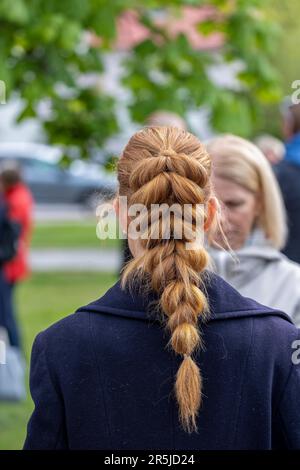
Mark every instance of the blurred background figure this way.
pixel 4 290
pixel 12 372
pixel 253 221
pixel 19 204
pixel 158 118
pixel 272 148
pixel 166 118
pixel 288 175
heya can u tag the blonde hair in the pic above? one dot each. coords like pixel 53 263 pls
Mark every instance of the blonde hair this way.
pixel 238 160
pixel 170 165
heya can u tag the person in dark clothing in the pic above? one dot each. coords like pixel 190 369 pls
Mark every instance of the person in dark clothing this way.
pixel 171 357
pixel 5 318
pixel 9 235
pixel 19 202
pixel 288 175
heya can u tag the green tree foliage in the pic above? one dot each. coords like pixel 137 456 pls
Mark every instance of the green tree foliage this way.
pixel 42 50
pixel 284 13
pixel 287 13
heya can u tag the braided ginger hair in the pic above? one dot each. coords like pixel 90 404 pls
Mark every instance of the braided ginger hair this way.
pixel 169 165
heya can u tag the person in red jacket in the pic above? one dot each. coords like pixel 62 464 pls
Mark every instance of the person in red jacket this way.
pixel 19 203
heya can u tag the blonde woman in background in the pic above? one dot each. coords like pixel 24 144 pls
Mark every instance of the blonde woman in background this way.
pixel 253 220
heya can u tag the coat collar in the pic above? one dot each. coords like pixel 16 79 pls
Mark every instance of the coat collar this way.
pixel 225 302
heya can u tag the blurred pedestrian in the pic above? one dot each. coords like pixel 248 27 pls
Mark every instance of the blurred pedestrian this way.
pixel 19 203
pixel 253 220
pixel 5 308
pixel 9 239
pixel 272 148
pixel 288 175
pixel 165 118
pixel 12 372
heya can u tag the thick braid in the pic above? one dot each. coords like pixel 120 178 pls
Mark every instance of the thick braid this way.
pixel 167 165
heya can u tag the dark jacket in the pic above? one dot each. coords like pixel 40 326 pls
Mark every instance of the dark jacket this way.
pixel 288 175
pixel 6 318
pixel 3 218
pixel 103 378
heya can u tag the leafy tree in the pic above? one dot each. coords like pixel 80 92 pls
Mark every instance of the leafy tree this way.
pixel 286 13
pixel 43 52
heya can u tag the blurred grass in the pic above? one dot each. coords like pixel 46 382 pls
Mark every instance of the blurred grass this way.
pixel 69 235
pixel 42 300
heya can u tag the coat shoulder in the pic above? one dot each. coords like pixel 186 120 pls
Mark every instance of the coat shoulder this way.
pixel 67 333
pixel 275 337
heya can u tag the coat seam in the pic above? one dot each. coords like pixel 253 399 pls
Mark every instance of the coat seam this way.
pixel 277 409
pixel 284 429
pixel 283 391
pixel 100 381
pixel 59 432
pixel 243 384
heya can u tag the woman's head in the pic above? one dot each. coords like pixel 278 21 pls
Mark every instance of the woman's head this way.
pixel 248 191
pixel 10 174
pixel 166 165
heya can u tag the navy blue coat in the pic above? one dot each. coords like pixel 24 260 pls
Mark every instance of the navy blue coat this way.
pixel 102 378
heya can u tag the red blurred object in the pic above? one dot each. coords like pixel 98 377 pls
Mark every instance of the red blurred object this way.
pixel 130 31
pixel 20 208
